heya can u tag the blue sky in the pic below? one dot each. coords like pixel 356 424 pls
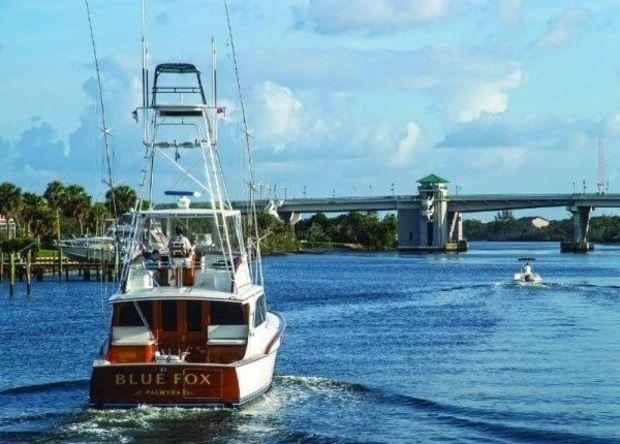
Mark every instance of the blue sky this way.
pixel 496 96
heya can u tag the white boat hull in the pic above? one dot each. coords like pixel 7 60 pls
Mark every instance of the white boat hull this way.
pixel 186 383
pixel 182 384
pixel 88 253
pixel 530 279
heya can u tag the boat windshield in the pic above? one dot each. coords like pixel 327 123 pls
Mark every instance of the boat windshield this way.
pixel 204 250
pixel 203 232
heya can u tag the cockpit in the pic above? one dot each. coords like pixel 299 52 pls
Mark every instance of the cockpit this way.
pixel 171 330
pixel 200 252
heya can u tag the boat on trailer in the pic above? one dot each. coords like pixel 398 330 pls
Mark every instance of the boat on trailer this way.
pixel 190 326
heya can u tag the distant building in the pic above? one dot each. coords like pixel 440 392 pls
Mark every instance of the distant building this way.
pixel 7 228
pixel 536 221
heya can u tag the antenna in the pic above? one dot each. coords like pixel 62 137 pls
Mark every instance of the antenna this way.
pixel 145 95
pixel 214 87
pixel 104 127
pixel 601 166
pixel 145 55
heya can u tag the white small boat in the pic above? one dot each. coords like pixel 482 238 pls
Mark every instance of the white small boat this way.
pixel 103 248
pixel 527 275
pixel 95 248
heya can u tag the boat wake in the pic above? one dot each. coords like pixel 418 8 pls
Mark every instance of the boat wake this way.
pixel 47 387
pixel 284 413
pixel 504 425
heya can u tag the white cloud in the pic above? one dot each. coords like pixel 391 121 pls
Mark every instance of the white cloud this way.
pixel 461 83
pixel 372 15
pixel 563 28
pixel 406 146
pixel 326 127
pixel 465 104
pixel 498 160
pixel 535 133
pixel 510 10
pixel 282 119
pixel 612 125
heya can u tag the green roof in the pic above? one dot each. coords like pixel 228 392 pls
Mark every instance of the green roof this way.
pixel 432 178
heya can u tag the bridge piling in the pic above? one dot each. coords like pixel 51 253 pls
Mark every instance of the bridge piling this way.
pixel 290 218
pixel 581 225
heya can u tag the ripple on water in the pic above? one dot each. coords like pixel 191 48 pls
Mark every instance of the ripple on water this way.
pixel 279 416
pixel 437 348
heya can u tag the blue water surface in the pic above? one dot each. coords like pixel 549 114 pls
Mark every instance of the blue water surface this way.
pixel 381 347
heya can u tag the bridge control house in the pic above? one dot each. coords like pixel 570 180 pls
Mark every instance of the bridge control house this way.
pixel 426 224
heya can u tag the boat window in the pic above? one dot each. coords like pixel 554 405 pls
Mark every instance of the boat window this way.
pixel 193 314
pixel 260 314
pixel 169 315
pixel 226 313
pixel 129 316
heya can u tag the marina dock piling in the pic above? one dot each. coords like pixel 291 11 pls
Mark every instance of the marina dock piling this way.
pixel 28 270
pixel 11 274
pixel 60 264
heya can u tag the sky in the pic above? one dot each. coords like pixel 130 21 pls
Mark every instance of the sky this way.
pixel 345 97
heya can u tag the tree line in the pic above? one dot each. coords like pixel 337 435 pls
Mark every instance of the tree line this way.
pixel 367 230
pixel 62 208
pixel 68 210
pixel 505 227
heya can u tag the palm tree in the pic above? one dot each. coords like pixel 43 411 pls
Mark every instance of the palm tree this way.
pixel 31 204
pixel 10 199
pixel 37 216
pixel 125 198
pixel 98 213
pixel 55 194
pixel 77 204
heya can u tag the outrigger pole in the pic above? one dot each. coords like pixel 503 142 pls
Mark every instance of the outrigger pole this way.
pixel 106 132
pixel 257 272
pixel 145 96
pixel 104 125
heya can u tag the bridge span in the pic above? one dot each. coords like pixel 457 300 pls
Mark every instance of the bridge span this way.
pixel 465 203
pixel 432 220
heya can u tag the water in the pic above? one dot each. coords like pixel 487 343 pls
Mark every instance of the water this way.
pixel 381 347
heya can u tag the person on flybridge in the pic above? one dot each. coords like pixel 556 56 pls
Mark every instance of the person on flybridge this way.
pixel 182 255
pixel 179 245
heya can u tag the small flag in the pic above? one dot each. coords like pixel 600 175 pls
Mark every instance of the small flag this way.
pixel 220 110
pixel 134 114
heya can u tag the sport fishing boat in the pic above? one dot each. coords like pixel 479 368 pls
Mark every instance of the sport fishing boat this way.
pixel 95 248
pixel 526 274
pixel 104 247
pixel 190 326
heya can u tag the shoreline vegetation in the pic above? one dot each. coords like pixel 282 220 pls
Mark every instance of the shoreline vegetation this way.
pixel 368 232
pixel 65 210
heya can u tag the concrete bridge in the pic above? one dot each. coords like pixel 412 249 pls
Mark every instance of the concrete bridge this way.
pixel 433 221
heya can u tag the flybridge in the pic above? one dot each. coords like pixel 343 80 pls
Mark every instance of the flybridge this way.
pixel 177 68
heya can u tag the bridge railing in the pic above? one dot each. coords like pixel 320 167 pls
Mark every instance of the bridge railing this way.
pixel 575 196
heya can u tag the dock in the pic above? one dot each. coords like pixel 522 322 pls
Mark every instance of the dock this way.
pixel 22 268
